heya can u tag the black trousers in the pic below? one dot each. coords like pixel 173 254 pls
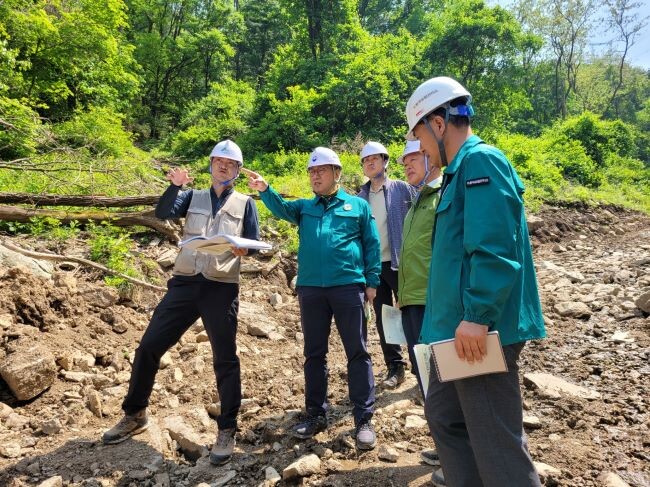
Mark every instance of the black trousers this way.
pixel 345 304
pixel 386 293
pixel 412 317
pixel 217 304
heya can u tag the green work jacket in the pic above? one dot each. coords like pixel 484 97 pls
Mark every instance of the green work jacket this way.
pixel 413 272
pixel 481 265
pixel 339 241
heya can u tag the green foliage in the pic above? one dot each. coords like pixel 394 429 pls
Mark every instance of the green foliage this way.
pixel 222 113
pixel 599 137
pixel 97 129
pixel 111 246
pixel 69 54
pixel 291 123
pixel 20 129
pixel 481 47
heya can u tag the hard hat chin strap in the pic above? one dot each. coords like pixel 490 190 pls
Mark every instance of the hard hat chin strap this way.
pixel 427 171
pixel 440 141
pixel 226 183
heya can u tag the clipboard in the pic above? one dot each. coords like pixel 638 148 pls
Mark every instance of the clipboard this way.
pixel 449 367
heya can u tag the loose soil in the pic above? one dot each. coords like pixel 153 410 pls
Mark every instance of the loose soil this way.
pixel 582 438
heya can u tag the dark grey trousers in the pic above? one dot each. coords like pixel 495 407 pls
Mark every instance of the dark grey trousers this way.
pixel 476 424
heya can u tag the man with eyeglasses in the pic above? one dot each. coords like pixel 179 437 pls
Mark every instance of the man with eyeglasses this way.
pixel 203 285
pixel 389 200
pixel 338 271
pixel 481 278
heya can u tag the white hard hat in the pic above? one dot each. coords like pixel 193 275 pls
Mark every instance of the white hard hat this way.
pixel 372 148
pixel 430 95
pixel 228 149
pixel 411 147
pixel 322 156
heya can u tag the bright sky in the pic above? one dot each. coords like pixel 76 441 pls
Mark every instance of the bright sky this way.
pixel 640 52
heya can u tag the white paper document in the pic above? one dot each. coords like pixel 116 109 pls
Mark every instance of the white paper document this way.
pixel 391 319
pixel 422 354
pixel 218 244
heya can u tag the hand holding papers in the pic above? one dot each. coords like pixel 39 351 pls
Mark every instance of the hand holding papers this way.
pixel 218 244
pixel 450 367
pixel 391 319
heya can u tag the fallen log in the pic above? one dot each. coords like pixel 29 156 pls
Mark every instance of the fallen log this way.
pixel 88 200
pixel 79 260
pixel 120 219
pixel 77 200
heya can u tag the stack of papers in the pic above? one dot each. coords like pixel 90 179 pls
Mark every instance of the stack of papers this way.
pixel 218 244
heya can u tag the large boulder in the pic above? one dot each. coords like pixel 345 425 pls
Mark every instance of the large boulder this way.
pixel 28 371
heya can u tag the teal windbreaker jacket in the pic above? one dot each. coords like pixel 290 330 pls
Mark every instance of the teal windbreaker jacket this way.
pixel 481 265
pixel 339 241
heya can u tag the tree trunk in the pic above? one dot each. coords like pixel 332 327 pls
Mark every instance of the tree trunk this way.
pixel 77 200
pixel 120 219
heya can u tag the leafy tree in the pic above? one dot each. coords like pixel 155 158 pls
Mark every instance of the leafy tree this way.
pixel 222 113
pixel 68 55
pixel 481 46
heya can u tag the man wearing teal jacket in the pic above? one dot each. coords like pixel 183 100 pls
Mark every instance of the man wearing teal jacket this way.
pixel 481 278
pixel 338 270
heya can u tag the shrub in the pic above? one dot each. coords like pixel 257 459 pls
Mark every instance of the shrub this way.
pixel 99 130
pixel 19 131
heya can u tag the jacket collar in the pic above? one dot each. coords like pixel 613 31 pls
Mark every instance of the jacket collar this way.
pixel 339 195
pixel 470 143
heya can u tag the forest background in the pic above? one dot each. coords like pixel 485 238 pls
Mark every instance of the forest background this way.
pixel 101 97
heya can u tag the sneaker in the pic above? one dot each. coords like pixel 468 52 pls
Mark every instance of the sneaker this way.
pixel 430 457
pixel 129 425
pixel 309 427
pixel 396 375
pixel 223 447
pixel 366 437
pixel 438 478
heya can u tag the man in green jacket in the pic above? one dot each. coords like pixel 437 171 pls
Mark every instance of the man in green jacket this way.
pixel 413 274
pixel 338 270
pixel 482 278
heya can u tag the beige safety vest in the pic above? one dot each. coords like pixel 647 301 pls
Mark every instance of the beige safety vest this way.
pixel 229 220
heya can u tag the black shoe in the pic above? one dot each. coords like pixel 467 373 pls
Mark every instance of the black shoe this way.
pixel 396 375
pixel 365 435
pixel 309 427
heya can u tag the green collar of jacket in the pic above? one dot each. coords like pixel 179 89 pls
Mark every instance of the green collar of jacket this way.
pixel 468 145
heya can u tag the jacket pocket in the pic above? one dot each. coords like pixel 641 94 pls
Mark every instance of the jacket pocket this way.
pixel 196 222
pixel 345 222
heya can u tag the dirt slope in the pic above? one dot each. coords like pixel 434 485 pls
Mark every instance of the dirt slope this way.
pixel 593 264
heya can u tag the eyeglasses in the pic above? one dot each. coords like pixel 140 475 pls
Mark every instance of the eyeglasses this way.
pixel 318 170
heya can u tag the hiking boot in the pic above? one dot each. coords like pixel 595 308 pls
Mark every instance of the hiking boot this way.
pixel 438 478
pixel 396 375
pixel 223 447
pixel 309 427
pixel 129 425
pixel 430 457
pixel 366 437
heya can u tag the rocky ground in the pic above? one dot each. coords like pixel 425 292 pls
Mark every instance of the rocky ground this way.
pixel 67 341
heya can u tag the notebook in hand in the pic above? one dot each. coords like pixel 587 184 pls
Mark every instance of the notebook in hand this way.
pixel 450 367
